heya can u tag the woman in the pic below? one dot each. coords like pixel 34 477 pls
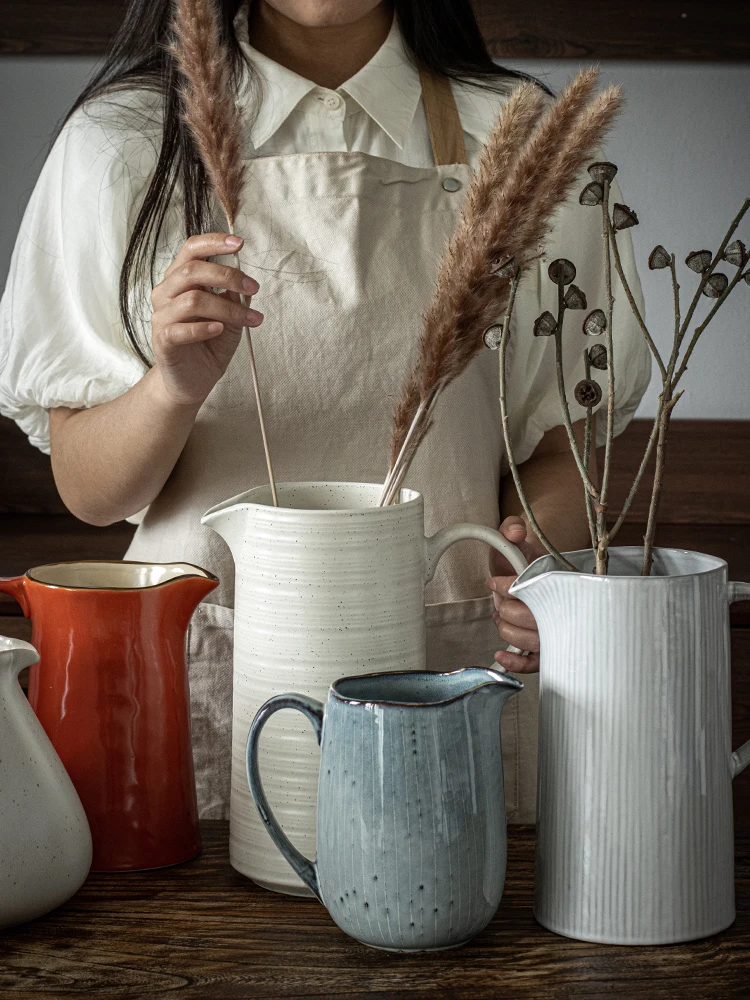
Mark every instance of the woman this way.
pixel 358 161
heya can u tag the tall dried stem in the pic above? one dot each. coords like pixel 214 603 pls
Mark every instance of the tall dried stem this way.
pixel 215 123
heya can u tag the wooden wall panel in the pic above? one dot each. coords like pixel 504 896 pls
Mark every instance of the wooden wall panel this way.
pixel 578 29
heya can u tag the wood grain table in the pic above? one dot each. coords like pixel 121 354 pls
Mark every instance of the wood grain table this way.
pixel 201 931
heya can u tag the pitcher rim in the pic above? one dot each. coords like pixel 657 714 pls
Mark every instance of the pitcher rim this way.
pixel 505 678
pixel 202 574
pixel 242 500
pixel 718 563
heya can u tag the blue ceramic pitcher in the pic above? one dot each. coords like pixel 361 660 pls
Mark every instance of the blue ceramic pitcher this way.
pixel 411 812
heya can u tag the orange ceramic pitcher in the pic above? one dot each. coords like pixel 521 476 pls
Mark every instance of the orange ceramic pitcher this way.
pixel 111 691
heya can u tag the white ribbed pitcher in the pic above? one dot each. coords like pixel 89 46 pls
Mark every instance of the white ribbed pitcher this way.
pixel 327 584
pixel 634 831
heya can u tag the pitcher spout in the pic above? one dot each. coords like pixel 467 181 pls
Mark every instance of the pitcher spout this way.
pixel 227 519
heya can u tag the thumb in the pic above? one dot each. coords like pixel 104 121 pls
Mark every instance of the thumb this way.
pixel 514 529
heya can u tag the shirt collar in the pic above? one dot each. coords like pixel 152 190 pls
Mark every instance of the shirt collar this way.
pixel 387 88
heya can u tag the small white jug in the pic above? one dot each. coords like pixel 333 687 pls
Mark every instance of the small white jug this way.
pixel 327 584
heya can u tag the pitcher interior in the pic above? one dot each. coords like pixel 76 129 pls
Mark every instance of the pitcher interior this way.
pixel 626 561
pixel 324 496
pixel 112 575
pixel 412 688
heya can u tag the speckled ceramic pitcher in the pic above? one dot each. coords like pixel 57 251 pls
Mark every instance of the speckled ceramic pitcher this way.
pixel 327 584
pixel 411 811
pixel 634 831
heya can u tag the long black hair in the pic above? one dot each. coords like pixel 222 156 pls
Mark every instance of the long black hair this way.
pixel 440 35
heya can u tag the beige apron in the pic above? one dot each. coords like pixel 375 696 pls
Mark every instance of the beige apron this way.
pixel 345 247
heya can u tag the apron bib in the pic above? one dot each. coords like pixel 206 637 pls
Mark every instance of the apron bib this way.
pixel 345 247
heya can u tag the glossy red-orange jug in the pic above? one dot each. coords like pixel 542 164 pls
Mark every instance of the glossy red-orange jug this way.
pixel 111 691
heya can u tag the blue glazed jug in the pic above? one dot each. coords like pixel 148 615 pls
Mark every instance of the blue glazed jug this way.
pixel 411 827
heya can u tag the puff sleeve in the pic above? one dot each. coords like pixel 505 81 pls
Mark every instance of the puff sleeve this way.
pixel 534 405
pixel 62 342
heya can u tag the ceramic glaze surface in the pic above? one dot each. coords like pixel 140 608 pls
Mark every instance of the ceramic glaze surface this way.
pixel 111 692
pixel 411 813
pixel 635 835
pixel 327 584
pixel 45 842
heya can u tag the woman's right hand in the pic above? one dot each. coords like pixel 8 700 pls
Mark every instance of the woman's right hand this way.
pixel 195 331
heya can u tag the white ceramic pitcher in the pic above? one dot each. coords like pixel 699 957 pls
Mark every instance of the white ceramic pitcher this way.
pixel 634 831
pixel 327 584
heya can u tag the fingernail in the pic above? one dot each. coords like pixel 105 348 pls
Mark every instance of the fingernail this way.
pixel 215 327
pixel 254 318
pixel 250 285
pixel 233 241
pixel 491 584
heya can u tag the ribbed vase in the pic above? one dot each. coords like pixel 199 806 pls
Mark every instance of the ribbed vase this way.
pixel 635 833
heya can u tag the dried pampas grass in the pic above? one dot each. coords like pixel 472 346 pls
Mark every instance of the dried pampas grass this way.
pixel 527 168
pixel 214 120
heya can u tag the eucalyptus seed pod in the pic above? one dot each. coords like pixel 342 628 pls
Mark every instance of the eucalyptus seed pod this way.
pixel 575 298
pixel 746 278
pixel 595 323
pixel 592 194
pixel 545 325
pixel 602 172
pixel 588 393
pixel 623 217
pixel 699 261
pixel 598 356
pixel 716 285
pixel 562 271
pixel 492 336
pixel 506 270
pixel 736 253
pixel 659 258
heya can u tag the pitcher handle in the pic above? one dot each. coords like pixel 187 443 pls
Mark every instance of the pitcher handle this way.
pixel 436 545
pixel 314 712
pixel 741 757
pixel 16 587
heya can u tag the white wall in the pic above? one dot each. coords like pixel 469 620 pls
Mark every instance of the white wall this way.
pixel 683 149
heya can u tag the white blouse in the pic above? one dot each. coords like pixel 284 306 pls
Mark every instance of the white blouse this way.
pixel 62 342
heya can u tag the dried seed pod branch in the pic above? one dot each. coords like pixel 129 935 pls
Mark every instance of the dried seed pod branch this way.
pixel 509 453
pixel 471 287
pixel 209 110
pixel 602 546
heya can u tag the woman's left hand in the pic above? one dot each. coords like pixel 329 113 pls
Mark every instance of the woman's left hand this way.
pixel 515 622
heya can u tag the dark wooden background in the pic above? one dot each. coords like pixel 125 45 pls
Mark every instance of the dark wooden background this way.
pixel 586 29
pixel 706 506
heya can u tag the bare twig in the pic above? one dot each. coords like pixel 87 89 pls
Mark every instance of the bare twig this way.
pixel 608 235
pixel 648 540
pixel 558 556
pixel 634 305
pixel 639 475
pixel 739 276
pixel 587 456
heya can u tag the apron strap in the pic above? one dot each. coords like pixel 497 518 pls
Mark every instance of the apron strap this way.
pixel 446 134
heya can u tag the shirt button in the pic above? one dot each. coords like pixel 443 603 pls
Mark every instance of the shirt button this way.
pixel 333 101
pixel 452 184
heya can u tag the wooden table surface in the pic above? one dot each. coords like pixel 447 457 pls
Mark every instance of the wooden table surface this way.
pixel 201 931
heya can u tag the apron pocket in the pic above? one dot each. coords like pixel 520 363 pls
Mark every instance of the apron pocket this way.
pixel 209 657
pixel 463 634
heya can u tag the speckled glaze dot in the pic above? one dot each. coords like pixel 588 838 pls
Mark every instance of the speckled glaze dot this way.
pixel 326 584
pixel 45 842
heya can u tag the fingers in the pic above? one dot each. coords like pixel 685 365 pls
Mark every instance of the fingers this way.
pixel 202 275
pixel 515 612
pixel 179 334
pixel 202 246
pixel 524 638
pixel 198 306
pixel 516 663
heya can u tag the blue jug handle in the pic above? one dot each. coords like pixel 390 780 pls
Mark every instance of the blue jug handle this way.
pixel 314 711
